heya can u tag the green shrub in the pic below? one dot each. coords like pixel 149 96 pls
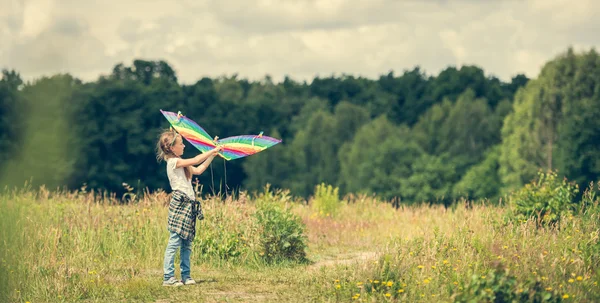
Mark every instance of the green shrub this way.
pixel 500 286
pixel 546 200
pixel 326 201
pixel 280 232
pixel 220 239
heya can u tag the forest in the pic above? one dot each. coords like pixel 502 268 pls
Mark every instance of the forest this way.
pixel 409 137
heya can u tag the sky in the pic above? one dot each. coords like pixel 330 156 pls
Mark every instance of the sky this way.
pixel 301 39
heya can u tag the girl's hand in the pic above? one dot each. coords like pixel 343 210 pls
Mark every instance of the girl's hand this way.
pixel 216 150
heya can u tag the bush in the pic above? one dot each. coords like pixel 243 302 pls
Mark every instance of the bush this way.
pixel 326 201
pixel 281 233
pixel 499 286
pixel 546 200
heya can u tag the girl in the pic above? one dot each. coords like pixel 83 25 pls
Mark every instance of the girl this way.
pixel 183 207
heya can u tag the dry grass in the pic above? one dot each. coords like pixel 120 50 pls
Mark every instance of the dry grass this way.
pixel 80 246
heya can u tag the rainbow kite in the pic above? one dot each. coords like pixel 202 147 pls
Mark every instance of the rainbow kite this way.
pixel 233 147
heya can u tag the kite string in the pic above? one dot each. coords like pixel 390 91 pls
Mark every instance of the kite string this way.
pixel 225 172
pixel 212 181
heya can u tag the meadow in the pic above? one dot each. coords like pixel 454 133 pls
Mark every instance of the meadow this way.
pixel 67 246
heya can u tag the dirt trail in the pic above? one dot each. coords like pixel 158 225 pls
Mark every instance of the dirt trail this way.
pixel 351 258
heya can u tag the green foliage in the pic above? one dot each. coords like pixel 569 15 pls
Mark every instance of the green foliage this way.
pixel 280 232
pixel 106 131
pixel 546 199
pixel 554 122
pixel 481 180
pixel 326 200
pixel 11 120
pixel 499 286
pixel 47 141
pixel 430 181
pixel 222 237
pixel 579 154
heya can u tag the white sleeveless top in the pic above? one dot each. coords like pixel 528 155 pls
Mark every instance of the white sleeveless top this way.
pixel 178 180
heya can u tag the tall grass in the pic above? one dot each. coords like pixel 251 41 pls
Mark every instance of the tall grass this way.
pixel 461 255
pixel 85 246
pixel 78 245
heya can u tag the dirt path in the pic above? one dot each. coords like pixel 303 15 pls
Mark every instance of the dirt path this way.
pixel 345 259
pixel 242 286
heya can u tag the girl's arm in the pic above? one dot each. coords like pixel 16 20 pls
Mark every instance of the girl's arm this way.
pixel 202 167
pixel 197 159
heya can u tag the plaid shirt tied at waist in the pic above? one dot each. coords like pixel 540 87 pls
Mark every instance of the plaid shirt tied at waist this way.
pixel 183 213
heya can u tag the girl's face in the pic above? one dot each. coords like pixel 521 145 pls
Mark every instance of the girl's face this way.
pixel 178 147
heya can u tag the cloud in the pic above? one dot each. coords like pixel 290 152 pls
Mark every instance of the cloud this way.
pixel 65 45
pixel 300 39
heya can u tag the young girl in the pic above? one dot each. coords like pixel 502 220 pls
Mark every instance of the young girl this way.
pixel 183 208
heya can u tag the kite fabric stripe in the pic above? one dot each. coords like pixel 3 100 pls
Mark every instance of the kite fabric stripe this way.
pixel 233 147
pixel 245 145
pixel 190 130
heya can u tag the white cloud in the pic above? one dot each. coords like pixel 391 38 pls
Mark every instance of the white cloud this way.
pixel 301 39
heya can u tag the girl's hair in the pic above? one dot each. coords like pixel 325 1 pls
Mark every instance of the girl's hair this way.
pixel 166 140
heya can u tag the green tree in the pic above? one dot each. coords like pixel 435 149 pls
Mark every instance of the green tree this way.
pixel 481 180
pixel 407 99
pixel 431 180
pixel 11 119
pixel 544 130
pixel 578 153
pixel 313 153
pixel 377 159
pixel 49 148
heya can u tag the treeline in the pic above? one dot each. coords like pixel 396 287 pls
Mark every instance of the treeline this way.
pixel 413 137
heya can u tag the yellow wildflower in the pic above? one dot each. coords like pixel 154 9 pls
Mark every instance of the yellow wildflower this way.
pixel 388 295
pixel 390 283
pixel 565 296
pixel 400 291
pixel 579 278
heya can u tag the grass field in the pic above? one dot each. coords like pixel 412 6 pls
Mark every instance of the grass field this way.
pixel 86 247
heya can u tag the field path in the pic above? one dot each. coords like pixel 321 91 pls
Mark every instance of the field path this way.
pixel 344 259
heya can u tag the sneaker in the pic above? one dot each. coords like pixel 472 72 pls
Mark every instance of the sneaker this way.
pixel 189 281
pixel 172 282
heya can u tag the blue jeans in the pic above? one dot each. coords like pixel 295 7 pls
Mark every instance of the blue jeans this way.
pixel 175 242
